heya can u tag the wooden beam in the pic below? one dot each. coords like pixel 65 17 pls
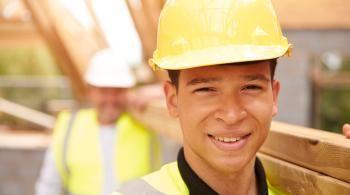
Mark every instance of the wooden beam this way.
pixel 71 44
pixel 17 27
pixel 98 32
pixel 42 19
pixel 152 10
pixel 321 151
pixel 144 26
pixel 294 179
pixel 19 34
pixel 26 113
pixel 156 117
pixel 24 140
pixel 13 11
pixel 34 82
pixel 78 41
pixel 145 16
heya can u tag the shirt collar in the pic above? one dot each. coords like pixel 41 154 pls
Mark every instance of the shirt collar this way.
pixel 196 185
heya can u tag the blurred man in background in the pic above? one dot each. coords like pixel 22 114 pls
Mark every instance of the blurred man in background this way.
pixel 95 150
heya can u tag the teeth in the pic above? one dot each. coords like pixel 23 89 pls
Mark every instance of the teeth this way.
pixel 227 139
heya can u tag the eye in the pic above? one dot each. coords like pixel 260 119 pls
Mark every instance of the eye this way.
pixel 204 90
pixel 252 88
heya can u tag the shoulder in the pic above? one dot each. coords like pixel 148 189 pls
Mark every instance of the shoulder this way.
pixel 167 180
pixel 67 114
pixel 128 122
pixel 273 190
pixel 166 172
pixel 127 118
pixel 64 118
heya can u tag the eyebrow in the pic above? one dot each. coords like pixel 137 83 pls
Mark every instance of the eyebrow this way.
pixel 254 77
pixel 203 80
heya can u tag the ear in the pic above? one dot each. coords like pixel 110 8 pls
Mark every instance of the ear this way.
pixel 275 93
pixel 170 92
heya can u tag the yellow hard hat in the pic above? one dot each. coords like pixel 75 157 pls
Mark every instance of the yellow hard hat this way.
pixel 194 33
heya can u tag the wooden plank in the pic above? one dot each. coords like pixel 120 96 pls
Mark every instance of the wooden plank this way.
pixel 56 106
pixel 297 180
pixel 14 11
pixel 77 40
pixel 26 140
pixel 98 32
pixel 43 22
pixel 156 117
pixel 14 34
pixel 72 47
pixel 26 113
pixel 321 151
pixel 144 26
pixel 18 27
pixel 152 10
pixel 145 16
pixel 34 82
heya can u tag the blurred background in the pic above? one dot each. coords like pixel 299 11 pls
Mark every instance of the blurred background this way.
pixel 45 46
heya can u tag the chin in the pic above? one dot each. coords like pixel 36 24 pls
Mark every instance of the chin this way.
pixel 231 164
pixel 109 117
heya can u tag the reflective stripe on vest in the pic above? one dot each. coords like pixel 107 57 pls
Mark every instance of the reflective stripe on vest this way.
pixel 65 143
pixel 83 153
pixel 167 180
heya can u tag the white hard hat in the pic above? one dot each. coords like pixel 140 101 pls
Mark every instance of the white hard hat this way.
pixel 108 69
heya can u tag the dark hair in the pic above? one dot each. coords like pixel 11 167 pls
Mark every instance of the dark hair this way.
pixel 174 74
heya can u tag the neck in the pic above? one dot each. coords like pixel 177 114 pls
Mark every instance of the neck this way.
pixel 242 181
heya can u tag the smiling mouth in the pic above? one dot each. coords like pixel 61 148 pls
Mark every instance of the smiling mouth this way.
pixel 229 139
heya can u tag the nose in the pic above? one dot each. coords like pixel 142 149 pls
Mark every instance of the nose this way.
pixel 230 111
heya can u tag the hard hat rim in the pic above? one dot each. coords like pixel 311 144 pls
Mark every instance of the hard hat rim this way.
pixel 219 55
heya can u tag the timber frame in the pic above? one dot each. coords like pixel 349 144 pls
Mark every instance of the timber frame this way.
pixel 71 44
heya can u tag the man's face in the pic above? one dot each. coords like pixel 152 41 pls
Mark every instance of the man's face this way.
pixel 109 103
pixel 225 113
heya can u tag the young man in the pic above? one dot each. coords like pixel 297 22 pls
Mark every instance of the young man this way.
pixel 94 150
pixel 221 57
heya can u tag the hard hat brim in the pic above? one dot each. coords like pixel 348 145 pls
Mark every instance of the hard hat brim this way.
pixel 220 55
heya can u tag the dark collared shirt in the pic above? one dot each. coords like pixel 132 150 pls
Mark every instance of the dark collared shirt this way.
pixel 196 186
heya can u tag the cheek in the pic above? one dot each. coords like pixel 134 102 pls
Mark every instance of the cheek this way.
pixel 261 110
pixel 260 106
pixel 100 103
pixel 194 115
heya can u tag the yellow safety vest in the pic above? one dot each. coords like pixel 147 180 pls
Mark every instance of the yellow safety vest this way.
pixel 167 180
pixel 78 157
